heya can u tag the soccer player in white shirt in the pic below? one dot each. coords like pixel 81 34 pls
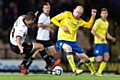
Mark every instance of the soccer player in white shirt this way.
pixel 43 36
pixel 17 39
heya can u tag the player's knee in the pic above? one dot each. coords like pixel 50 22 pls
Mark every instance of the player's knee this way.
pixel 106 57
pixel 53 53
pixel 41 47
pixel 99 59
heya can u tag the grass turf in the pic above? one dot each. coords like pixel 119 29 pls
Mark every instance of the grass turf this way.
pixel 53 77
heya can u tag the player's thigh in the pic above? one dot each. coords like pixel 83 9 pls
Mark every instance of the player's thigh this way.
pixel 105 48
pixel 28 48
pixel 106 51
pixel 67 48
pixel 38 46
pixel 99 58
pixel 82 56
pixel 51 50
pixel 98 50
pixel 14 48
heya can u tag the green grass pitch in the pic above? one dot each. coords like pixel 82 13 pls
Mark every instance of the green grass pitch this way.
pixel 53 77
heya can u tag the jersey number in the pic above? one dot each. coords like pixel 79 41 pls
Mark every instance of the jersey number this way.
pixel 13 32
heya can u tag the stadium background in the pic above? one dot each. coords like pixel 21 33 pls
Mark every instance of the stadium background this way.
pixel 11 9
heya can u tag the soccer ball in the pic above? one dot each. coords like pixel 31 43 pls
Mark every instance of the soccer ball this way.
pixel 57 71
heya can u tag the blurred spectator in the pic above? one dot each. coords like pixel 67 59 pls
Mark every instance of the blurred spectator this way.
pixel 14 10
pixel 7 19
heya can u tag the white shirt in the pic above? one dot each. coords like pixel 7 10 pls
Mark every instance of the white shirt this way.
pixel 43 33
pixel 19 29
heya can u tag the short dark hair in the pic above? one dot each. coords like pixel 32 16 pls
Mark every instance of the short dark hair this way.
pixel 46 3
pixel 30 16
pixel 104 9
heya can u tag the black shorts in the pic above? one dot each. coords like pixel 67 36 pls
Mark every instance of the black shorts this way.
pixel 28 47
pixel 46 44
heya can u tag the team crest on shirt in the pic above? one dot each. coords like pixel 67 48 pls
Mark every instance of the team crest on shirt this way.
pixel 20 31
pixel 77 22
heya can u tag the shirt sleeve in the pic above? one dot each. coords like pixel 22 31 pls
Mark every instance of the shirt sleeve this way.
pixel 41 19
pixel 19 31
pixel 55 20
pixel 89 23
pixel 96 25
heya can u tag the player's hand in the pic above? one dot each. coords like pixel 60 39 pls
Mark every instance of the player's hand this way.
pixel 113 39
pixel 36 13
pixel 102 39
pixel 94 11
pixel 52 31
pixel 64 28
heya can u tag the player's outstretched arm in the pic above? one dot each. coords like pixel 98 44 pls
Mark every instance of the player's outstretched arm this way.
pixel 45 25
pixel 18 40
pixel 55 20
pixel 90 23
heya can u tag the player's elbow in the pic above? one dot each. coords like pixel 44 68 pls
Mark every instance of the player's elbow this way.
pixel 87 26
pixel 52 20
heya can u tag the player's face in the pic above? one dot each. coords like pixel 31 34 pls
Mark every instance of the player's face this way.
pixel 78 12
pixel 104 14
pixel 46 9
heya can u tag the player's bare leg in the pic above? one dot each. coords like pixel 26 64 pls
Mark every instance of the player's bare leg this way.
pixel 103 64
pixel 70 59
pixel 22 66
pixel 49 59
